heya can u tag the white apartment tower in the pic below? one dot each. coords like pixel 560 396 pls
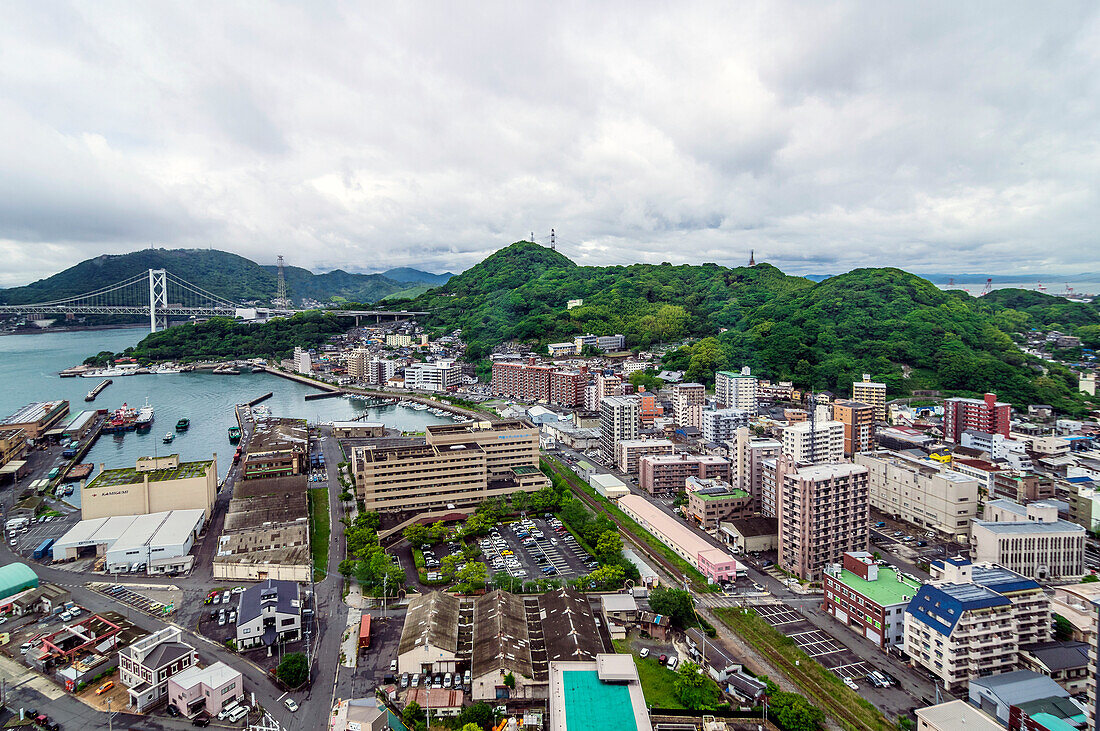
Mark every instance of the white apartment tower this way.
pixel 814 441
pixel 736 390
pixel 620 419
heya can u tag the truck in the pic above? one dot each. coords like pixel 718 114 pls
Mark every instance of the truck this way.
pixel 43 549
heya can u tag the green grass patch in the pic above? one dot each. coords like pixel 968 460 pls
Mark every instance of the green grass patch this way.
pixel 698 581
pixel 319 530
pixel 821 687
pixel 658 682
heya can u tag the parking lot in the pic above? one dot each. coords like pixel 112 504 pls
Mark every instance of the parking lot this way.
pixel 535 548
pixel 817 644
pixel 134 598
pixel 25 542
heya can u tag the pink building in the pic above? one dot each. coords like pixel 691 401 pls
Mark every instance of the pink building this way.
pixel 714 563
pixel 986 414
pixel 206 690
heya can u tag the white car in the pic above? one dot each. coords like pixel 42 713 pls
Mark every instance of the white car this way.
pixel 291 705
pixel 644 652
pixel 851 683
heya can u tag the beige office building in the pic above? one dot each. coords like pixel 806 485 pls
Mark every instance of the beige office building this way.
pixel 872 394
pixel 153 485
pixel 461 465
pixel 628 452
pixel 688 400
pixel 921 492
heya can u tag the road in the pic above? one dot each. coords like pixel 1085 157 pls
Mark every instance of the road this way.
pixel 329 622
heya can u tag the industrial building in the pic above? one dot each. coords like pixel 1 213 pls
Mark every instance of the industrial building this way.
pixel 1030 540
pixel 153 485
pixel 35 419
pixel 279 447
pixel 14 579
pixel 604 692
pixel 266 532
pixel 358 429
pixel 712 562
pixel 156 543
pixel 497 634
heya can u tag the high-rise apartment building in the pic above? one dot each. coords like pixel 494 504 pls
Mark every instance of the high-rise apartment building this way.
pixel 532 381
pixel 871 393
pixel 620 420
pixel 822 511
pixel 688 400
pixel 748 454
pixel 567 388
pixel 986 414
pixel 722 425
pixel 814 441
pixel 921 492
pixel 303 362
pixel 628 452
pixel 651 408
pixel 435 376
pixel 859 425
pixel 736 390
pixel 356 364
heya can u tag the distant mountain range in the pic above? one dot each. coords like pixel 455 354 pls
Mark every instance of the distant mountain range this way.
pixel 1052 280
pixel 227 275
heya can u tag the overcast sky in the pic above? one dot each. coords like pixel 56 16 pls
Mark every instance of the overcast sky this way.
pixel 939 137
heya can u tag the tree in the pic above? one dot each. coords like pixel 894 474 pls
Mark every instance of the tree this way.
pixel 609 547
pixel 1090 578
pixel 510 680
pixel 347 567
pixel 1063 628
pixel 413 713
pixel 293 670
pixel 417 535
pixel 479 714
pixel 646 379
pixel 371 520
pixel 472 577
pixel 793 712
pixel 694 689
pixel 610 576
pixel 471 727
pixel 676 603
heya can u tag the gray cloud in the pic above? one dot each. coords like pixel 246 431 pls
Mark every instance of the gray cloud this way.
pixel 938 137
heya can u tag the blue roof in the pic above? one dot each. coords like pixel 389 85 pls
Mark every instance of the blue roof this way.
pixel 1077 480
pixel 1001 580
pixel 956 561
pixel 941 607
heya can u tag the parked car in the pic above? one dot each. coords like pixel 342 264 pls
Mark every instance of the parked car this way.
pixel 851 683
pixel 644 652
pixel 202 721
pixel 672 662
pixel 172 711
pixel 393 666
pixel 105 687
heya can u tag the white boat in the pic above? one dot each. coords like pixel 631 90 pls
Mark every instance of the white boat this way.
pixel 168 438
pixel 420 407
pixel 144 418
pixel 165 370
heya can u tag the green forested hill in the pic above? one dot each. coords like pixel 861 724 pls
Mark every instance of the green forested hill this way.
pixel 228 275
pixel 521 292
pixel 1019 310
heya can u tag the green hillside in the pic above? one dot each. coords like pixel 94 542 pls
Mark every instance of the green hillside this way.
pixel 521 291
pixel 227 275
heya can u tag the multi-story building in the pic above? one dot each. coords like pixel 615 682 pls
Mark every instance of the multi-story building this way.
pixel 748 454
pixel 399 340
pixel 999 447
pixel 13 442
pixel 567 388
pixel 606 343
pixel 35 419
pixel 629 451
pixel 519 380
pixel 1022 487
pixel 779 391
pixel 356 364
pixel 435 376
pixel 650 408
pixel 872 394
pixel 268 614
pixel 980 469
pixel 206 690
pixel 868 598
pixel 303 361
pixel 1032 541
pixel 736 390
pixel 722 425
pixel 973 620
pixel 986 414
pixel 608 384
pixel 814 441
pixel 822 511
pixel 556 350
pixel 278 448
pixel 922 492
pixel 664 473
pixel 153 485
pixel 461 465
pixel 859 425
pixel 145 666
pixel 619 421
pixel 711 501
pixel 688 400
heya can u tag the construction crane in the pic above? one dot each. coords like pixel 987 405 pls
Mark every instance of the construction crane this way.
pixel 988 287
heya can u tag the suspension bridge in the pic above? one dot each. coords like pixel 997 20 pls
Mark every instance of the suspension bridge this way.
pixel 160 294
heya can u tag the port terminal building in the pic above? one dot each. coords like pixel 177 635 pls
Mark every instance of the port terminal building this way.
pixel 153 485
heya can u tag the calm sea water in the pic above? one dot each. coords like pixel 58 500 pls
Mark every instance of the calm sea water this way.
pixel 29 365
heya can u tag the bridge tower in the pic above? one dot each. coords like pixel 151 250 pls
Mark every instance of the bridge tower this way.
pixel 158 300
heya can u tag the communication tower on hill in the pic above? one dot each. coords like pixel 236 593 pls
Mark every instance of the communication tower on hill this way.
pixel 280 294
pixel 553 241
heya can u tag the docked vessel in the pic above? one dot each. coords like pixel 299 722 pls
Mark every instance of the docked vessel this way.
pixel 226 370
pixel 168 438
pixel 183 424
pixel 165 370
pixel 257 369
pixel 144 419
pixel 234 434
pixel 126 369
pixel 123 419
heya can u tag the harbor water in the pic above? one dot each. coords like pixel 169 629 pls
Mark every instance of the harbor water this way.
pixel 29 366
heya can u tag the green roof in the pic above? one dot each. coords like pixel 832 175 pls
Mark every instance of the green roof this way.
pixel 525 470
pixel 733 493
pixel 889 588
pixel 130 475
pixel 593 705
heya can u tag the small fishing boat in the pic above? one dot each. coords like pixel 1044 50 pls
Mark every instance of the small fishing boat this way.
pixel 183 424
pixel 234 434
pixel 168 438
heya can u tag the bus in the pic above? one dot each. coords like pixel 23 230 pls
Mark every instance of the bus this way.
pixel 54 474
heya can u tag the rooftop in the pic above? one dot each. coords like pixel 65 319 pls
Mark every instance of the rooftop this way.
pixel 130 475
pixel 213 676
pixel 1020 686
pixel 33 412
pixel 958 714
pixel 890 587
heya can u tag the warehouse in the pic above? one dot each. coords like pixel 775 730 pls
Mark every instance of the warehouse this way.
pixel 156 543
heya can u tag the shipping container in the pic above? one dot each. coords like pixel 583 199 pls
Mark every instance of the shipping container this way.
pixel 43 549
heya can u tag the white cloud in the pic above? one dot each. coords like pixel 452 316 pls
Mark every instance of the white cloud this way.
pixel 936 137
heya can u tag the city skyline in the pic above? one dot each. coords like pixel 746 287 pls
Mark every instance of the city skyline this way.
pixel 823 138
